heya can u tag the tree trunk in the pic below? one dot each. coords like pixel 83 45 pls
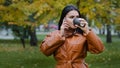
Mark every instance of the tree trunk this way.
pixel 119 34
pixel 78 3
pixel 109 37
pixel 23 42
pixel 103 30
pixel 100 32
pixel 33 38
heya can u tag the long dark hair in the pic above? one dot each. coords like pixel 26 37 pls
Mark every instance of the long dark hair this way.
pixel 67 9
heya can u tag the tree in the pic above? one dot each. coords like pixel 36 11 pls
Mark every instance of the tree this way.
pixel 116 11
pixel 13 13
pixel 35 12
pixel 101 12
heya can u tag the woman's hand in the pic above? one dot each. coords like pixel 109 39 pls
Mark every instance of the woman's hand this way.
pixel 66 29
pixel 85 28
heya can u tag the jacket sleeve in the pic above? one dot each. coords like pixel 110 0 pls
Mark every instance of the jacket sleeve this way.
pixel 52 41
pixel 95 45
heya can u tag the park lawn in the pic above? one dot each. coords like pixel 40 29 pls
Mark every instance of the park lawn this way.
pixel 13 55
pixel 110 58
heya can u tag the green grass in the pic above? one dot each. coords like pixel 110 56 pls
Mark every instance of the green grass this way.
pixel 13 55
pixel 110 58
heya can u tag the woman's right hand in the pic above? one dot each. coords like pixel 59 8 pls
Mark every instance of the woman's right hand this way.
pixel 64 27
pixel 67 28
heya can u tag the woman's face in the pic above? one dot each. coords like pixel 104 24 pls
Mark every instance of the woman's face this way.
pixel 70 16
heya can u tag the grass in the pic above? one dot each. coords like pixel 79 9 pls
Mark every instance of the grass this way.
pixel 13 55
pixel 109 58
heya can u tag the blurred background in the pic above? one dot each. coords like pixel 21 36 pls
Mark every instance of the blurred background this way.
pixel 25 23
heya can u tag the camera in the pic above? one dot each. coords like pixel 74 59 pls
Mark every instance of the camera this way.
pixel 77 21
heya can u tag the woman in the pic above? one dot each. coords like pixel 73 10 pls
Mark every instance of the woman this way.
pixel 70 43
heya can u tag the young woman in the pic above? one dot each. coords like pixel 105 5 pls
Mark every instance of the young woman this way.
pixel 70 43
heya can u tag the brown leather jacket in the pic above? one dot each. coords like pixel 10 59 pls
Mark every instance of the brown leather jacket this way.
pixel 70 52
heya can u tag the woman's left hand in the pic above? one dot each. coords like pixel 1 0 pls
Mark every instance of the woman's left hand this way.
pixel 85 28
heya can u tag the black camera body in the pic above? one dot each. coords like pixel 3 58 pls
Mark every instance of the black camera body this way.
pixel 77 21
